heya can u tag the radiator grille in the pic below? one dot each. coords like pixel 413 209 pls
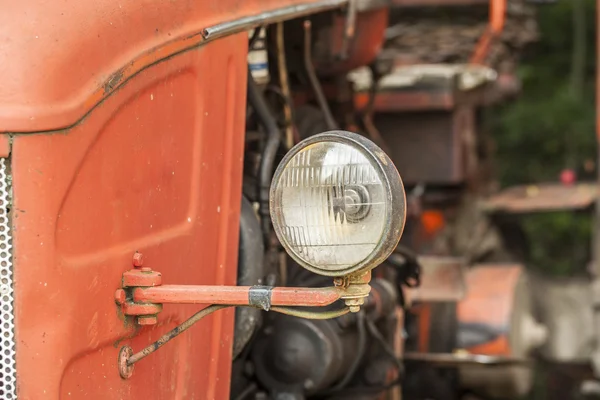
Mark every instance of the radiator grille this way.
pixel 7 339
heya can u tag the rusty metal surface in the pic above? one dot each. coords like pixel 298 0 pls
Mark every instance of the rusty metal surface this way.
pixel 458 359
pixel 8 373
pixel 426 147
pixel 156 168
pixel 423 3
pixel 136 277
pixel 543 198
pixel 352 289
pixel 398 101
pixel 363 47
pixel 364 5
pixel 490 303
pixel 236 295
pixel 4 146
pixel 442 280
pixel 426 87
pixel 56 68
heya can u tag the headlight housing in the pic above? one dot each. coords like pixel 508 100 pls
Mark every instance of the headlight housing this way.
pixel 337 204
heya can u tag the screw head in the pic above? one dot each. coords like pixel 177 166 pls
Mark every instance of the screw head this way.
pixel 138 259
pixel 147 320
pixel 125 370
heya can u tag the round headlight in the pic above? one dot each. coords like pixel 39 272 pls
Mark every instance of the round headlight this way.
pixel 338 204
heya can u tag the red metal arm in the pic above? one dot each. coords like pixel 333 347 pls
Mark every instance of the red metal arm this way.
pixel 497 18
pixel 143 294
pixel 235 295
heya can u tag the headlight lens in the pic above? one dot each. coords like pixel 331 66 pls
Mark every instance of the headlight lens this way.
pixel 332 201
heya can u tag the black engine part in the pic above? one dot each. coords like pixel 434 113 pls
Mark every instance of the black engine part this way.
pixel 295 355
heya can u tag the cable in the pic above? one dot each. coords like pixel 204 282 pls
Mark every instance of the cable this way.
pixel 164 339
pixel 311 314
pixel 266 119
pixel 314 80
pixel 408 269
pixel 362 345
pixel 385 345
pixel 215 307
pixel 254 37
pixel 381 388
pixel 285 86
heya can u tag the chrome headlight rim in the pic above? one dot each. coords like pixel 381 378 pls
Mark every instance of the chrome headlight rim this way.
pixel 394 193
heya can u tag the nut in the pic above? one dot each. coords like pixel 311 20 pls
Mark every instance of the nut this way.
pixel 147 320
pixel 341 282
pixel 354 304
pixel 120 296
pixel 138 259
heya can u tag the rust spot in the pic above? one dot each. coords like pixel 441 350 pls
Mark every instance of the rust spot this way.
pixel 125 370
pixel 382 157
pixel 92 331
pixel 113 81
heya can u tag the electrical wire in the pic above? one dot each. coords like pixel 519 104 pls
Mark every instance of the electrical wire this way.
pixel 254 37
pixel 390 353
pixel 311 314
pixel 385 346
pixel 285 86
pixel 314 80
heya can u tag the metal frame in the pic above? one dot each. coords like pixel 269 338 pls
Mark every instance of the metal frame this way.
pixel 278 15
pixel 396 197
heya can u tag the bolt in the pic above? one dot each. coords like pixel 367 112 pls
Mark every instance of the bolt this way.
pixel 120 296
pixel 138 259
pixel 354 304
pixel 147 320
pixel 340 282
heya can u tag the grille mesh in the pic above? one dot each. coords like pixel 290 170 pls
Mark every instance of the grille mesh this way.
pixel 7 339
